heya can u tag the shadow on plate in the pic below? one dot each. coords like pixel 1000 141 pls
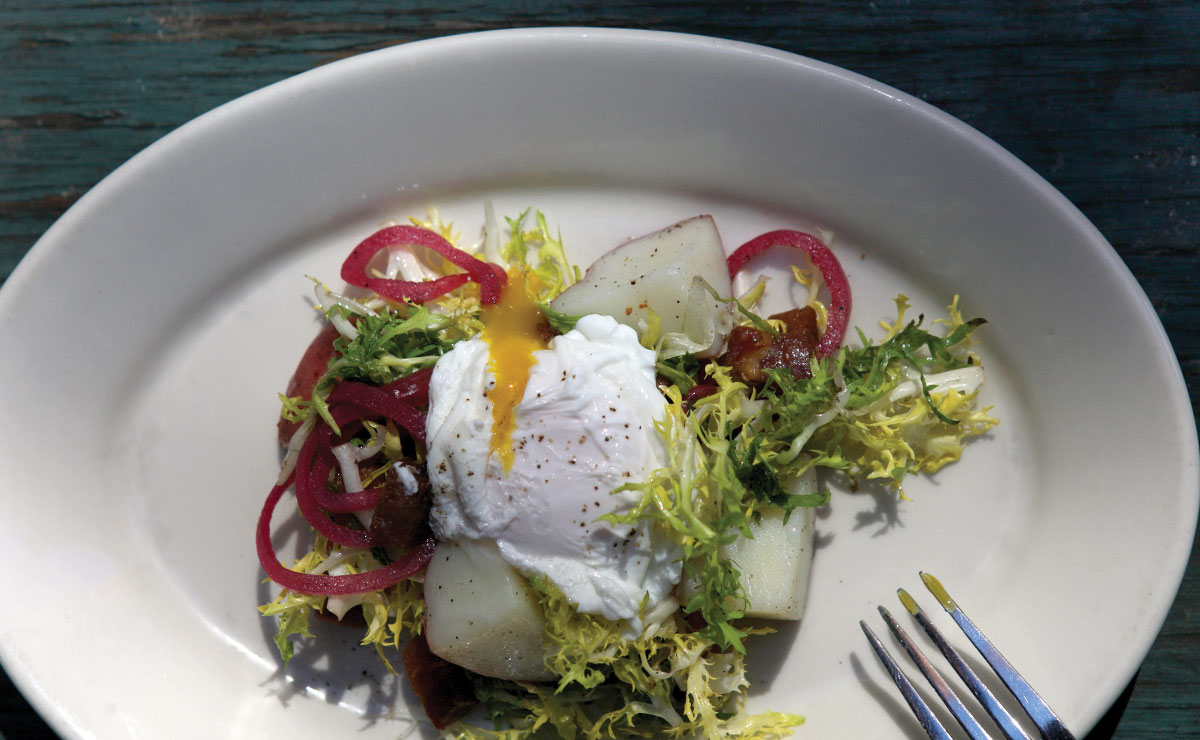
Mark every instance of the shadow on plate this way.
pixel 332 666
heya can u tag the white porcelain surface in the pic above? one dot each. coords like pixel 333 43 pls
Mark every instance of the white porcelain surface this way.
pixel 148 332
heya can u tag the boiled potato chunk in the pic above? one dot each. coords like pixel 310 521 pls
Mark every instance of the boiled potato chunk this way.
pixel 660 272
pixel 775 564
pixel 481 614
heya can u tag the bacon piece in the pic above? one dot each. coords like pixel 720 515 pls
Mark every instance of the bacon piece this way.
pixel 752 352
pixel 702 389
pixel 444 689
pixel 402 518
pixel 823 259
pixel 312 366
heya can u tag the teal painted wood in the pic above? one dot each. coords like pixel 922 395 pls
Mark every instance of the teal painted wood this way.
pixel 1100 98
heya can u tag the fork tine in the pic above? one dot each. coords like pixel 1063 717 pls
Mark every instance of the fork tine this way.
pixel 1048 723
pixel 1005 720
pixel 929 723
pixel 948 697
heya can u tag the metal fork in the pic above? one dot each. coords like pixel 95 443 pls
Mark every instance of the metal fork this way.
pixel 1048 723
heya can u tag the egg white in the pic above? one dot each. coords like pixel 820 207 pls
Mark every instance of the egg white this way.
pixel 584 427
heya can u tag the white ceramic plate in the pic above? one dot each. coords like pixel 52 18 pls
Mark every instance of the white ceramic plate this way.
pixel 148 332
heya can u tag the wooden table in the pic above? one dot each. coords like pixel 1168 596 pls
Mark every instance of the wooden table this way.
pixel 1101 98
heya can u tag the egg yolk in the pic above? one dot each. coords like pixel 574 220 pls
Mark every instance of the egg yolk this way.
pixel 510 329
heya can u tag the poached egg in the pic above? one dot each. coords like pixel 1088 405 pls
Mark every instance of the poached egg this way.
pixel 526 447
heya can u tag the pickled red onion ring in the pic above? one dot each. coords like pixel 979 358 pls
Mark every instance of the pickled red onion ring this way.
pixel 379 401
pixel 490 277
pixel 327 585
pixel 347 417
pixel 308 481
pixel 412 388
pixel 825 261
pixel 351 402
pixel 343 502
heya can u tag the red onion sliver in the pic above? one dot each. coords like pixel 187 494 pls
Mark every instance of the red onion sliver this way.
pixel 327 585
pixel 348 418
pixel 413 388
pixel 347 413
pixel 306 487
pixel 416 291
pixel 825 261
pixel 381 402
pixel 338 502
pixel 491 278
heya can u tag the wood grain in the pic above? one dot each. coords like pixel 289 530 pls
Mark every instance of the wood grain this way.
pixel 1101 98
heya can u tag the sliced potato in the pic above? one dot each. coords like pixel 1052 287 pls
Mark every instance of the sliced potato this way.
pixel 658 272
pixel 481 614
pixel 775 564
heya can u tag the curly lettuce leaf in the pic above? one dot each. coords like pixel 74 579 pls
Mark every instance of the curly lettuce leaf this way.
pixel 666 683
pixel 392 615
pixel 390 345
pixel 874 369
pixel 551 270
pixel 698 501
pixel 881 411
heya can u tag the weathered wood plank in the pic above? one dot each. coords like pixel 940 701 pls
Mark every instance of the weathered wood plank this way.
pixel 1101 98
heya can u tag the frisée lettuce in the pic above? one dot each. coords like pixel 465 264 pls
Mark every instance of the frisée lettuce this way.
pixel 734 447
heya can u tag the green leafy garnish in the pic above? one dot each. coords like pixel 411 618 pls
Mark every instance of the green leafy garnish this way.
pixel 664 683
pixel 871 370
pixel 551 267
pixel 871 411
pixel 759 480
pixel 560 321
pixel 390 345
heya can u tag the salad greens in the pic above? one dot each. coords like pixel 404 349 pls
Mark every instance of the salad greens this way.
pixel 872 411
pixel 666 682
pixel 878 412
pixel 392 615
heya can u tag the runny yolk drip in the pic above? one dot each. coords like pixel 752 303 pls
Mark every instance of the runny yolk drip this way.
pixel 510 329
